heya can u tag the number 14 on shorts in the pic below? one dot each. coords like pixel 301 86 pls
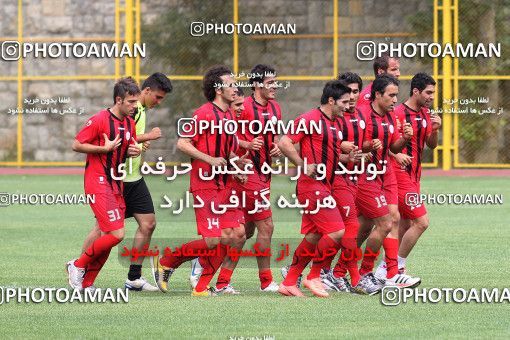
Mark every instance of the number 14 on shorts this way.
pixel 213 223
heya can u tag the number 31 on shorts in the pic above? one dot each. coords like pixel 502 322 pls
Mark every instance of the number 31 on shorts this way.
pixel 114 215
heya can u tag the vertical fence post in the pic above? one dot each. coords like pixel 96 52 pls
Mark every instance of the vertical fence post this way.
pixel 19 137
pixel 129 36
pixel 447 86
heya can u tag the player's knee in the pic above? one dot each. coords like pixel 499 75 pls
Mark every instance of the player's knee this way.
pixel 385 225
pixel 265 228
pixel 395 218
pixel 212 242
pixel 147 227
pixel 239 235
pixel 422 224
pixel 249 230
pixel 337 235
pixel 119 234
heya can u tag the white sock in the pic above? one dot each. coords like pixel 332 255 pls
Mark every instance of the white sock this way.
pixel 401 262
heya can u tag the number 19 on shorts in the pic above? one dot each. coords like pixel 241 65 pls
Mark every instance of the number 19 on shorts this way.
pixel 381 201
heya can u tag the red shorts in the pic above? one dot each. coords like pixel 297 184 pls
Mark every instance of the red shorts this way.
pixel 252 214
pixel 209 223
pixel 408 193
pixel 390 186
pixel 325 221
pixel 344 192
pixel 371 199
pixel 109 209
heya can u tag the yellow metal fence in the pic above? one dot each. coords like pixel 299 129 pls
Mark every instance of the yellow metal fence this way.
pixel 445 13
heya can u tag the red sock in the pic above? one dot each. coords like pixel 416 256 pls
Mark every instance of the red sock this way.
pixel 390 246
pixel 354 274
pixel 266 277
pixel 299 262
pixel 367 265
pixel 93 269
pixel 98 247
pixel 211 265
pixel 175 261
pixel 348 257
pixel 224 278
pixel 326 252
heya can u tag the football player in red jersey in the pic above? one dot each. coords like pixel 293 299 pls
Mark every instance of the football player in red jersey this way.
pixel 262 107
pixel 223 285
pixel 377 196
pixel 208 147
pixel 322 226
pixel 382 65
pixel 407 164
pixel 344 191
pixel 108 138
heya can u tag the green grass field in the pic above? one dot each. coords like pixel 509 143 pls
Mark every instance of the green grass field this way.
pixel 465 246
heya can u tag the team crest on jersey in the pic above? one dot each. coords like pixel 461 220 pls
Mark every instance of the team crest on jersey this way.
pixel 128 136
pixel 89 122
pixel 274 120
pixel 340 135
pixel 362 124
pixel 424 123
pixel 392 129
pixel 367 96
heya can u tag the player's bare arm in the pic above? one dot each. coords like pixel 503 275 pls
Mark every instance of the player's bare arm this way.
pixel 254 144
pixel 109 145
pixel 347 146
pixel 354 156
pixel 153 135
pixel 134 150
pixel 406 137
pixel 287 148
pixel 433 139
pixel 401 158
pixel 371 145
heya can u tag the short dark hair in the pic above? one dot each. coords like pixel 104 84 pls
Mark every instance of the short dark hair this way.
pixel 262 70
pixel 334 89
pixel 382 62
pixel 351 78
pixel 213 77
pixel 420 81
pixel 158 81
pixel 381 82
pixel 240 91
pixel 125 86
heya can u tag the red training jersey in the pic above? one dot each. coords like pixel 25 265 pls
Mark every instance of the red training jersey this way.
pixel 318 148
pixel 422 128
pixel 265 114
pixel 365 98
pixel 98 168
pixel 354 126
pixel 212 142
pixel 353 130
pixel 383 128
